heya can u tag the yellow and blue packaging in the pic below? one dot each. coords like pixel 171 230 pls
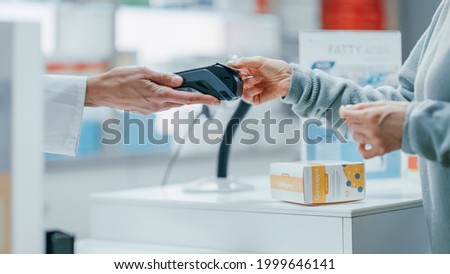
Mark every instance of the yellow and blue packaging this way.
pixel 318 182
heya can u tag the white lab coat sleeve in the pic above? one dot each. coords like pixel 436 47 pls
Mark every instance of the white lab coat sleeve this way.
pixel 64 104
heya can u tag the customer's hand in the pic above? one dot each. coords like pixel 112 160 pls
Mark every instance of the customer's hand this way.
pixel 378 124
pixel 141 90
pixel 271 78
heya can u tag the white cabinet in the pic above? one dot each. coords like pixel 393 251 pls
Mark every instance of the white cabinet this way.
pixel 390 220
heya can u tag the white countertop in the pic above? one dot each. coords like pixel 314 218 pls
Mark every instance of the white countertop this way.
pixel 381 196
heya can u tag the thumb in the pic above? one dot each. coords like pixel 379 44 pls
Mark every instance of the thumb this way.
pixel 351 112
pixel 366 105
pixel 248 62
pixel 164 79
pixel 354 112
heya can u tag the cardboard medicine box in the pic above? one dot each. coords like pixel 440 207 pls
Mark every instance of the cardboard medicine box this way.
pixel 318 182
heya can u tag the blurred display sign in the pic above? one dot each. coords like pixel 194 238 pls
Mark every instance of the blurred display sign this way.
pixel 367 58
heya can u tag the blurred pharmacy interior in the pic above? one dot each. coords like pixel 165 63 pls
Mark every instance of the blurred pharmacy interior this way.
pixel 91 37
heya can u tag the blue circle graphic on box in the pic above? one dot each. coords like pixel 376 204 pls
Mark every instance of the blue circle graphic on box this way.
pixel 349 183
pixel 357 175
pixel 360 189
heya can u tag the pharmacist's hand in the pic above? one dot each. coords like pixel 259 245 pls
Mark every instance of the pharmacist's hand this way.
pixel 271 78
pixel 141 90
pixel 377 124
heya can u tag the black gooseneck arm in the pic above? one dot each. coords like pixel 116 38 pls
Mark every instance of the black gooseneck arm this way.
pixel 227 139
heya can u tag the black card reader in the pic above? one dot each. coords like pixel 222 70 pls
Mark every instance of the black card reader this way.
pixel 218 80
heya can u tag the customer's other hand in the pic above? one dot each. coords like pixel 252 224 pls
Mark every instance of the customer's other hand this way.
pixel 378 124
pixel 141 90
pixel 271 78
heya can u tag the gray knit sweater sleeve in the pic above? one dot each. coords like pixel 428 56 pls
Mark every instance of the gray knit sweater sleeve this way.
pixel 313 92
pixel 427 129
